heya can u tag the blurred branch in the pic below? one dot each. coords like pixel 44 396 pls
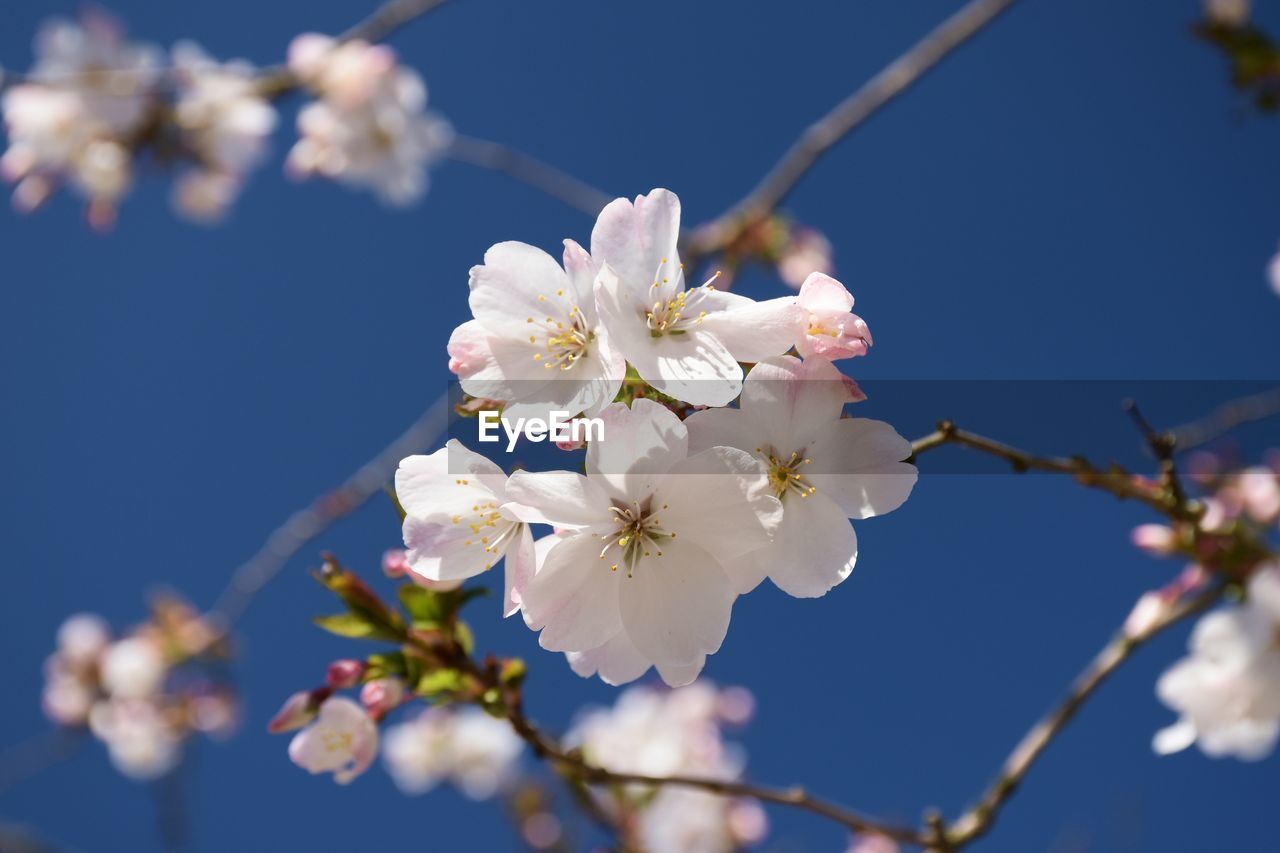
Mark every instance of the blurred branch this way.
pixel 1236 413
pixel 978 820
pixel 1114 479
pixel 308 523
pixel 528 170
pixel 847 115
pixel 35 754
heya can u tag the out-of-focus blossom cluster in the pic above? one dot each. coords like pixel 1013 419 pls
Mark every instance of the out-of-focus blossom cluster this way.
pixel 1231 13
pixel 686 501
pixel 95 102
pixel 476 752
pixel 142 694
pixel 94 99
pixel 660 732
pixel 1227 691
pixel 369 127
pixel 340 735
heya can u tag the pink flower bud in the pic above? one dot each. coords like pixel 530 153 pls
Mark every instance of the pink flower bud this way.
pixel 382 695
pixel 569 444
pixel 344 673
pixel 298 710
pixel 1155 539
pixel 395 563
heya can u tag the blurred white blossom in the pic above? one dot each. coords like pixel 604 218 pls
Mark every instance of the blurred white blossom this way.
pixel 342 740
pixel 475 751
pixel 370 127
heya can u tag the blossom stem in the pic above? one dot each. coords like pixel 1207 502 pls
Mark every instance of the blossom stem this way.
pixel 544 177
pixel 1236 413
pixel 978 820
pixel 822 135
pixel 1113 479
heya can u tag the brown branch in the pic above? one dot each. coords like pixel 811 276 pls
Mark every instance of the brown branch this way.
pixel 847 115
pixel 1113 479
pixel 1236 413
pixel 546 178
pixel 978 820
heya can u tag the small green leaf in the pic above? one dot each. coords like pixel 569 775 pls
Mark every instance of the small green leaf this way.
pixel 427 608
pixel 513 671
pixel 353 625
pixel 439 682
pixel 466 639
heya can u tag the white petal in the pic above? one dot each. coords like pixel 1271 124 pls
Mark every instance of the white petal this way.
pixel 640 444
pixel 517 281
pixel 719 500
pixel 678 675
pixel 573 598
pixel 747 571
pixel 635 238
pixel 754 331
pixel 1174 738
pixel 616 662
pixel 794 400
pixel 439 550
pixel 677 606
pixel 857 463
pixel 520 567
pixel 814 550
pixel 724 428
pixel 1247 739
pixel 429 485
pixel 559 498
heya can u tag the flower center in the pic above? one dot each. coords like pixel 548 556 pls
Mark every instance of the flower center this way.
pixel 489 528
pixel 335 741
pixel 783 476
pixel 676 316
pixel 566 340
pixel 639 533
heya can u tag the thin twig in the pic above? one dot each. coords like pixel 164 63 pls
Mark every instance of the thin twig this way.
pixel 560 185
pixel 977 820
pixel 1162 446
pixel 820 136
pixel 36 754
pixel 1236 413
pixel 308 523
pixel 1114 479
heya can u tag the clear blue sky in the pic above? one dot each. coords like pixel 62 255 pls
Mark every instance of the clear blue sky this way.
pixel 1073 196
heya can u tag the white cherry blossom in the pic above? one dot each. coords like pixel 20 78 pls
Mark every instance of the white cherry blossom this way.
pixel 536 341
pixel 1227 692
pixel 371 128
pixel 343 740
pixel 653 532
pixel 456 525
pixel 824 468
pixel 686 342
pixel 133 668
pixel 89 91
pixel 831 330
pixel 475 751
pixel 82 637
pixel 140 740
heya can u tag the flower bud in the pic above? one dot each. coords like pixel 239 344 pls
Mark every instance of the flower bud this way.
pixel 1157 539
pixel 382 695
pixel 395 563
pixel 298 710
pixel 344 673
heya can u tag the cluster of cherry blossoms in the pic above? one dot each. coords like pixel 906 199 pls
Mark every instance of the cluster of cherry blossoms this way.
pixel 656 732
pixel 686 502
pixel 1227 691
pixel 141 694
pixel 95 102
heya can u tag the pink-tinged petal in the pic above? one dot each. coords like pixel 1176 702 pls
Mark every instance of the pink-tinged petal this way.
pixel 616 662
pixel 724 428
pixel 581 270
pixel 857 463
pixel 640 443
pixel 517 282
pixel 753 331
pixel 690 366
pixel 820 293
pixel 574 597
pixel 795 400
pixel 469 353
pixel 727 491
pixel 520 567
pixel 1264 591
pixel 449 481
pixel 560 498
pixel 676 607
pixel 813 550
pixel 440 550
pixel 679 675
pixel 635 238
